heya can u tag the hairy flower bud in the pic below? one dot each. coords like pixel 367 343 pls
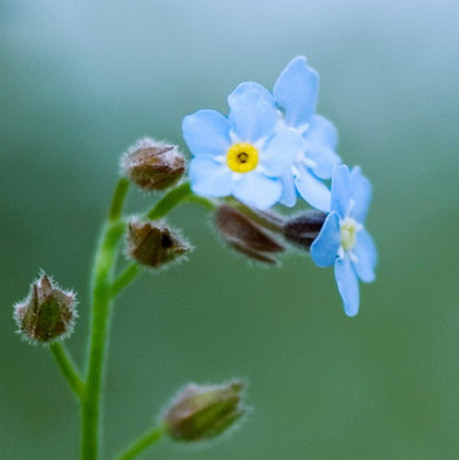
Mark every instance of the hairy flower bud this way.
pixel 154 244
pixel 304 228
pixel 202 412
pixel 153 165
pixel 244 235
pixel 48 313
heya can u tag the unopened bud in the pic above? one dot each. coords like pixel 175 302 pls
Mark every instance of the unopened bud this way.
pixel 48 313
pixel 153 165
pixel 202 412
pixel 244 235
pixel 154 243
pixel 303 229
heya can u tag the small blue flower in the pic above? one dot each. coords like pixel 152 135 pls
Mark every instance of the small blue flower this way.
pixel 243 155
pixel 295 93
pixel 343 240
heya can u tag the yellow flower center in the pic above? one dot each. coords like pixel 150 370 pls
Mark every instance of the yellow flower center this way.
pixel 348 233
pixel 242 157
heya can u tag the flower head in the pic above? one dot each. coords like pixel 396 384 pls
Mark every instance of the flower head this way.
pixel 244 154
pixel 270 148
pixel 343 240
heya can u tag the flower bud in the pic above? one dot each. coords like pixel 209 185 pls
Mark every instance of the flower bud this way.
pixel 244 235
pixel 303 229
pixel 202 412
pixel 48 313
pixel 153 165
pixel 154 244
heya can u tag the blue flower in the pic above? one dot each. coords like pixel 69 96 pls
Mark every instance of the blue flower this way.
pixel 295 93
pixel 343 240
pixel 243 155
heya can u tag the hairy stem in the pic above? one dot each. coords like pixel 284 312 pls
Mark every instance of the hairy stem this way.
pixel 101 302
pixel 146 440
pixel 67 367
pixel 124 279
pixel 169 201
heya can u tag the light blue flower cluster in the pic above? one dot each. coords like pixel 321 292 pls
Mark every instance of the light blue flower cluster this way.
pixel 270 147
pixel 273 148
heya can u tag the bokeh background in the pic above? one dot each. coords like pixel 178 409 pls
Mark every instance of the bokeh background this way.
pixel 80 81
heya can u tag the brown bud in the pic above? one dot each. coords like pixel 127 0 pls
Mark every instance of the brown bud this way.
pixel 153 165
pixel 304 228
pixel 48 313
pixel 244 235
pixel 202 412
pixel 154 244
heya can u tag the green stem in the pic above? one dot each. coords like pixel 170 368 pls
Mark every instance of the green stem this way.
pixel 145 441
pixel 67 367
pixel 169 201
pixel 101 303
pixel 205 202
pixel 124 279
pixel 119 197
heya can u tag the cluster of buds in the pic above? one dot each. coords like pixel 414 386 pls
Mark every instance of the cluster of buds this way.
pixel 251 232
pixel 47 314
pixel 153 165
pixel 303 229
pixel 246 236
pixel 202 412
pixel 153 243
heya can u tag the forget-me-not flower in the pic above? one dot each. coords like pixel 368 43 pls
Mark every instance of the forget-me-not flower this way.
pixel 295 93
pixel 243 155
pixel 343 240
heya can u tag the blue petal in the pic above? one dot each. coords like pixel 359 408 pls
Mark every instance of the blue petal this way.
pixel 348 285
pixel 288 197
pixel 325 160
pixel 321 140
pixel 210 178
pixel 324 249
pixel 323 132
pixel 280 150
pixel 206 132
pixel 247 86
pixel 257 190
pixel 341 191
pixel 296 92
pixel 251 116
pixel 361 194
pixel 313 190
pixel 366 256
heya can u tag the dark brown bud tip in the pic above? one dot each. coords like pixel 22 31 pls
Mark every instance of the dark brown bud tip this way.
pixel 153 165
pixel 304 228
pixel 48 313
pixel 154 244
pixel 244 235
pixel 202 412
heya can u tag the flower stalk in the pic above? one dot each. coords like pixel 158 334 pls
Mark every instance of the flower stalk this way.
pixel 67 367
pixel 101 303
pixel 143 442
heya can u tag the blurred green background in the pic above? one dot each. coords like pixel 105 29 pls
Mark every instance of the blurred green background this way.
pixel 80 81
